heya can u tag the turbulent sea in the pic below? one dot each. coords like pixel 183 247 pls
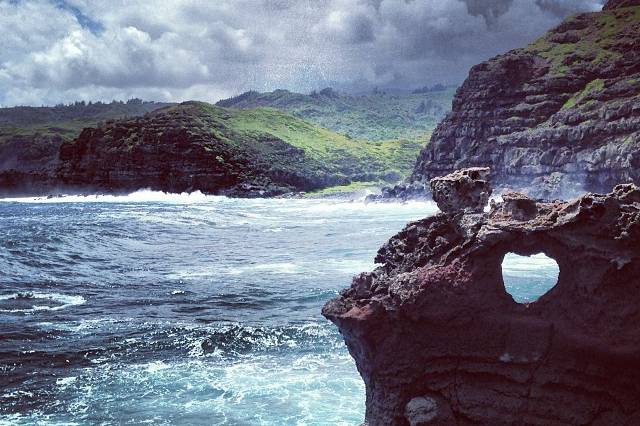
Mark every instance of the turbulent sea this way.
pixel 188 309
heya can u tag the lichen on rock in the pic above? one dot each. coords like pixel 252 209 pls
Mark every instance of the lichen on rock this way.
pixel 439 341
pixel 421 410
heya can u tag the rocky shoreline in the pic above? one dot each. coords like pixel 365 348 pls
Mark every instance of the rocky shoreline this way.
pixel 438 340
pixel 195 146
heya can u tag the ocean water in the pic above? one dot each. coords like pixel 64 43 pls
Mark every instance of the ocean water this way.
pixel 528 277
pixel 182 309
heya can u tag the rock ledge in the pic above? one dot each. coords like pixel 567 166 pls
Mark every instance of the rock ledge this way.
pixel 438 340
pixel 462 190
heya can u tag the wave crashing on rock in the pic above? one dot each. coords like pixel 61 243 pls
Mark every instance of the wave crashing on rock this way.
pixel 439 341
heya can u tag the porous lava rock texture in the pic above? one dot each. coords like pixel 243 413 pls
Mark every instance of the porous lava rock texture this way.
pixel 439 341
pixel 559 116
pixel 466 189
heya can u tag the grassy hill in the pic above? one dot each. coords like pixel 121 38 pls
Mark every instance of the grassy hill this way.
pixel 376 116
pixel 31 136
pixel 386 160
pixel 199 146
pixel 281 141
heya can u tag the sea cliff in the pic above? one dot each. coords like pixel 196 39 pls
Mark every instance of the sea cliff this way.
pixel 439 341
pixel 557 117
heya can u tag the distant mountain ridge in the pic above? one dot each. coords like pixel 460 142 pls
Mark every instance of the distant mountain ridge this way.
pixel 376 116
pixel 29 115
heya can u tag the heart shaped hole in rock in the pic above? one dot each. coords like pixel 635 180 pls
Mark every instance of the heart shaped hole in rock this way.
pixel 527 278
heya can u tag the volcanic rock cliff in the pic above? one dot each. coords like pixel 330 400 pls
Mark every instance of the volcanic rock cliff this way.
pixel 439 341
pixel 197 146
pixel 561 114
pixel 30 138
pixel 177 150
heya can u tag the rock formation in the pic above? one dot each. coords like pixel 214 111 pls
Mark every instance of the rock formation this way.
pixel 462 190
pixel 174 150
pixel 195 146
pixel 439 341
pixel 30 139
pixel 617 4
pixel 560 115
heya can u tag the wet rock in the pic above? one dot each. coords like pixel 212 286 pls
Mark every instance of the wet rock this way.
pixel 518 206
pixel 437 338
pixel 421 411
pixel 462 190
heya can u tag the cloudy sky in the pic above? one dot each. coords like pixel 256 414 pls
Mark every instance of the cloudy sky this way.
pixel 63 50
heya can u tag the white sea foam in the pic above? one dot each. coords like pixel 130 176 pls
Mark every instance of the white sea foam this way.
pixel 212 271
pixel 84 326
pixel 346 266
pixel 278 267
pixel 319 389
pixel 350 266
pixel 279 229
pixel 141 196
pixel 65 381
pixel 154 367
pixel 61 301
pixel 328 206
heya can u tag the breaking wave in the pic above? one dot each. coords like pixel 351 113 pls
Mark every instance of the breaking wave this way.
pixel 141 196
pixel 35 301
pixel 182 308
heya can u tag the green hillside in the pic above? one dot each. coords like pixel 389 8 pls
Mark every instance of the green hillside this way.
pixel 388 160
pixel 199 146
pixel 31 136
pixel 376 116
pixel 324 151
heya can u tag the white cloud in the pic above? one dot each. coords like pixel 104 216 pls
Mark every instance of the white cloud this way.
pixel 31 26
pixel 53 51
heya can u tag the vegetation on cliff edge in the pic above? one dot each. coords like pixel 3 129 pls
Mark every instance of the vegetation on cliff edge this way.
pixel 375 116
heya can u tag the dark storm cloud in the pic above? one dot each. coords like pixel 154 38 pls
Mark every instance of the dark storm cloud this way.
pixel 361 29
pixel 63 50
pixel 490 10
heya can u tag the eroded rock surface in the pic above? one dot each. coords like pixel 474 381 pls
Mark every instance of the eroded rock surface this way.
pixel 557 117
pixel 617 4
pixel 462 190
pixel 439 341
